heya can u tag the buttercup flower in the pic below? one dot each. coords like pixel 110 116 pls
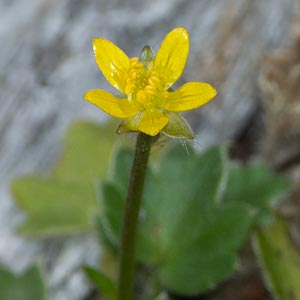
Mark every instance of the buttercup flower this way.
pixel 148 104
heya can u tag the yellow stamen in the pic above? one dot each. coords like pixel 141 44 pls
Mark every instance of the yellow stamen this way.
pixel 150 90
pixel 154 80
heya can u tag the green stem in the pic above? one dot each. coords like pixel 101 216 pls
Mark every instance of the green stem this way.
pixel 130 220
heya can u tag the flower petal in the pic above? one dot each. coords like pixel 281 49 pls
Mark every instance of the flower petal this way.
pixel 112 61
pixel 152 122
pixel 189 96
pixel 116 107
pixel 171 56
pixel 178 127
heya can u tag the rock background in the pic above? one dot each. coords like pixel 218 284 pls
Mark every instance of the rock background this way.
pixel 46 64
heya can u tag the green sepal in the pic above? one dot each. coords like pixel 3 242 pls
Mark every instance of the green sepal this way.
pixel 178 127
pixel 147 55
pixel 130 125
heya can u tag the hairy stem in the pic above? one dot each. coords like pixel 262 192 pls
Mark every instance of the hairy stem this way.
pixel 130 220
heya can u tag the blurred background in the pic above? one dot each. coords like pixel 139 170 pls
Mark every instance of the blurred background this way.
pixel 248 49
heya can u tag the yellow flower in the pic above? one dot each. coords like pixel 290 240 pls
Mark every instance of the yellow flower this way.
pixel 148 104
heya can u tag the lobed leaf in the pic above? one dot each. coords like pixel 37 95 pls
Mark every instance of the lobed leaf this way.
pixel 256 186
pixel 183 221
pixel 65 202
pixel 54 206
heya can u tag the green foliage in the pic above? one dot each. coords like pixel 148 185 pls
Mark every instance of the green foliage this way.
pixel 256 186
pixel 54 206
pixel 27 286
pixel 64 202
pixel 280 260
pixel 102 282
pixel 190 225
pixel 87 148
pixel 196 212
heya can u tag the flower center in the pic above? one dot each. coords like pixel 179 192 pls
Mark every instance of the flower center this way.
pixel 143 86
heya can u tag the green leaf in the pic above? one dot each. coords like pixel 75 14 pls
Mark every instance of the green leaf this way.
pixel 87 148
pixel 183 220
pixel 54 206
pixel 193 222
pixel 207 255
pixel 104 235
pixel 112 208
pixel 65 202
pixel 102 281
pixel 256 186
pixel 183 183
pixel 27 286
pixel 120 169
pixel 112 198
pixel 280 260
